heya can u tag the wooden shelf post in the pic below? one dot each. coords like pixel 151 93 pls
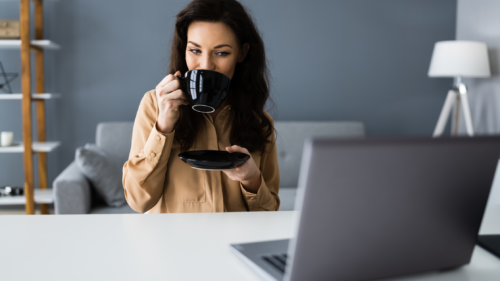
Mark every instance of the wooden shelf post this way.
pixel 40 103
pixel 26 105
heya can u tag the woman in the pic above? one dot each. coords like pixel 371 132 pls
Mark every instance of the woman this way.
pixel 218 35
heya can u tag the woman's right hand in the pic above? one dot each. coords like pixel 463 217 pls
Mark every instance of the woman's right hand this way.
pixel 169 97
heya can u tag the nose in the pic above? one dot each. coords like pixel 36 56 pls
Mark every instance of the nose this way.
pixel 206 62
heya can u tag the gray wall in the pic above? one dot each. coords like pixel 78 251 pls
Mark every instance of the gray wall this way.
pixel 478 20
pixel 330 60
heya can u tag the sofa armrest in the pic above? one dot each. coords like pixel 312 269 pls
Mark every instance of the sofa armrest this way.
pixel 287 197
pixel 72 191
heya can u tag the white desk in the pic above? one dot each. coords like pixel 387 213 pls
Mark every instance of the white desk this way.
pixel 164 247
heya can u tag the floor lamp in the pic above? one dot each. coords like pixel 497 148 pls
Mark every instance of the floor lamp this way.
pixel 458 59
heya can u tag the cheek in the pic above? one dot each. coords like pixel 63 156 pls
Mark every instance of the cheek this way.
pixel 191 61
pixel 227 67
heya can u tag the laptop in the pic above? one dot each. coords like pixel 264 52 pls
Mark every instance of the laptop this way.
pixel 379 208
pixel 490 243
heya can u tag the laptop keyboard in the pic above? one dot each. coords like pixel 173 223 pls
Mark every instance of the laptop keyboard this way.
pixel 276 261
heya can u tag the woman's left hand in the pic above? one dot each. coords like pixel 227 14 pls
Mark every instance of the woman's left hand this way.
pixel 247 173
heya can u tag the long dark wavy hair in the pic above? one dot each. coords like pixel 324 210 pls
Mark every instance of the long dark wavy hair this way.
pixel 249 88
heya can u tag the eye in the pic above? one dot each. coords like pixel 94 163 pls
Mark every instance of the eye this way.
pixel 195 51
pixel 222 54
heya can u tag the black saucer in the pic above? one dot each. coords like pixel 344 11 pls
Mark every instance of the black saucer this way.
pixel 213 159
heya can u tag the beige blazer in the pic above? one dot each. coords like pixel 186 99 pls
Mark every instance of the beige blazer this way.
pixel 156 180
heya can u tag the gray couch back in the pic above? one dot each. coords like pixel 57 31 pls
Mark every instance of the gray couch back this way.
pixel 116 138
pixel 290 141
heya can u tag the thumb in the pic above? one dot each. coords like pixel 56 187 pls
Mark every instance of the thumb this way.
pixel 236 148
pixel 177 73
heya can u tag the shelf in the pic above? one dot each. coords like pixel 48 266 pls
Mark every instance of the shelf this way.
pixel 37 147
pixel 16 44
pixel 44 96
pixel 42 196
pixel 27 47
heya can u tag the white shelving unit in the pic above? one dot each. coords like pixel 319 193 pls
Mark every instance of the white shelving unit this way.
pixel 45 96
pixel 16 44
pixel 42 196
pixel 31 47
pixel 36 146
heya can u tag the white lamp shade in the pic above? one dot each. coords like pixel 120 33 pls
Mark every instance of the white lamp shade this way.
pixel 459 58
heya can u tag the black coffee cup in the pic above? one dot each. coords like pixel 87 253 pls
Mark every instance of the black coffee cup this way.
pixel 204 89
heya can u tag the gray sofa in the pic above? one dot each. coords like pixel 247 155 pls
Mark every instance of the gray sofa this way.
pixel 73 192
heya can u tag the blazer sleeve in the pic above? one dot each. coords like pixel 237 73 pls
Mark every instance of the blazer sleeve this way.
pixel 266 198
pixel 144 172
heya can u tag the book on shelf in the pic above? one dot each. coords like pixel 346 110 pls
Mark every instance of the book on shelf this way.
pixel 9 29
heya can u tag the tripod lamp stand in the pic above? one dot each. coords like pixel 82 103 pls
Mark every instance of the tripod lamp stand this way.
pixel 458 59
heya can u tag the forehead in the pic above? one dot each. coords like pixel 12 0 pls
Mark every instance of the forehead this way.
pixel 209 34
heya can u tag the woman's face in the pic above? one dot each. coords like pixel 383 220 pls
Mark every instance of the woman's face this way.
pixel 213 46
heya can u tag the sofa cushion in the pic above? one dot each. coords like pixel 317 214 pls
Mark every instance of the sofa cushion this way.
pixel 104 171
pixel 115 138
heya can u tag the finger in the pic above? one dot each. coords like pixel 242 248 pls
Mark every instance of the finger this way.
pixel 236 148
pixel 242 166
pixel 177 73
pixel 177 103
pixel 230 174
pixel 170 87
pixel 176 95
pixel 165 80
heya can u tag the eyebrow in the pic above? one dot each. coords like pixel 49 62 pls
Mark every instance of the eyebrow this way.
pixel 216 47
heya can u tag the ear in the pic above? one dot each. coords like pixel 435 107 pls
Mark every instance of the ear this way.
pixel 244 52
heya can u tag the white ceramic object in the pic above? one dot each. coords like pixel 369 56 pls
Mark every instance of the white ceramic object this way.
pixel 6 138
